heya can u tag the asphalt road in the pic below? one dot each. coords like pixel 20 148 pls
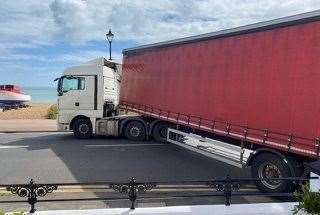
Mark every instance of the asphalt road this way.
pixel 59 157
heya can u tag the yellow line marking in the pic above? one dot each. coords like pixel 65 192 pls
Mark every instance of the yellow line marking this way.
pixel 105 189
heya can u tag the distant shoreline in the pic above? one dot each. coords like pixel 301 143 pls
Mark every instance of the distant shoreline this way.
pixel 47 95
pixel 39 103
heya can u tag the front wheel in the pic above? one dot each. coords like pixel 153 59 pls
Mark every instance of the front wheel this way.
pixel 269 165
pixel 82 128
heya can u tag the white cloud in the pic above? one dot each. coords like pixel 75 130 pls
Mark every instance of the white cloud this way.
pixel 36 22
pixel 150 21
pixel 73 18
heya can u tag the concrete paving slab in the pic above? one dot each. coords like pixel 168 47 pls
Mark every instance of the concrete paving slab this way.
pixel 27 125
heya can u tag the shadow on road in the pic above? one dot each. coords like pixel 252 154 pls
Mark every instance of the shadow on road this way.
pixel 60 158
pixel 115 159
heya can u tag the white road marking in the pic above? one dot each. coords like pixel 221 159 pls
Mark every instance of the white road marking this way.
pixel 13 147
pixel 130 145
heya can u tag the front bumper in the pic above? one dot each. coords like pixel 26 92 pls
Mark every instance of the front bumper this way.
pixel 63 127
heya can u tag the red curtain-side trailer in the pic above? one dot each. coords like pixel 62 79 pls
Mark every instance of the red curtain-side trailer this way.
pixel 257 82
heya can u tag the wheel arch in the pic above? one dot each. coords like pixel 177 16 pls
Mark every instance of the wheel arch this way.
pixel 271 151
pixel 76 118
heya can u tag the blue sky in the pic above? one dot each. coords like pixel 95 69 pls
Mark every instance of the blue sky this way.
pixel 38 39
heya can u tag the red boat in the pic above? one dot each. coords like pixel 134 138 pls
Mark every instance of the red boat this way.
pixel 12 95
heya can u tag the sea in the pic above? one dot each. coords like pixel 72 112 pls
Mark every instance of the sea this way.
pixel 41 94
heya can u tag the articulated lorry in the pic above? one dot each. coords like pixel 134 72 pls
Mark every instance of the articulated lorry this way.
pixel 246 96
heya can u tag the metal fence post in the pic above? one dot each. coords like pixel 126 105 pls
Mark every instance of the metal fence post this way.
pixel 228 190
pixel 132 193
pixel 32 197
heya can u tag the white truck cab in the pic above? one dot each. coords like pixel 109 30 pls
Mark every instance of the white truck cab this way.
pixel 86 93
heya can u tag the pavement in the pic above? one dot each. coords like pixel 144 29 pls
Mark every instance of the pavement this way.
pixel 239 209
pixel 28 125
pixel 53 157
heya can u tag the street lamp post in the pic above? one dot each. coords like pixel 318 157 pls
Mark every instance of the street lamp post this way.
pixel 110 36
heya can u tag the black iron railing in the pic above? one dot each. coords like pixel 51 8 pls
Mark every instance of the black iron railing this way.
pixel 225 187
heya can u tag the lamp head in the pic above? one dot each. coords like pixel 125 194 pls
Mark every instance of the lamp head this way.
pixel 110 36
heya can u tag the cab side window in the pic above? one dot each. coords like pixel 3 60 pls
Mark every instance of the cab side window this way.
pixel 73 83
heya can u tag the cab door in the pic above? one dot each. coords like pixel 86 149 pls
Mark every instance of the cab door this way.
pixel 77 93
pixel 87 94
pixel 68 97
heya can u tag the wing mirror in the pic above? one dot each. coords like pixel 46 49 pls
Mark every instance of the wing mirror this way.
pixel 59 88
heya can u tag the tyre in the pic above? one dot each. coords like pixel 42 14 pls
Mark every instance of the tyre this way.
pixel 159 132
pixel 82 128
pixel 269 165
pixel 135 131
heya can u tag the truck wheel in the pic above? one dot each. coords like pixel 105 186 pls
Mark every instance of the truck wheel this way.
pixel 268 165
pixel 82 129
pixel 159 132
pixel 135 131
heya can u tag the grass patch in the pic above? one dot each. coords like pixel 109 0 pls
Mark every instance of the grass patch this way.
pixel 52 112
pixel 308 201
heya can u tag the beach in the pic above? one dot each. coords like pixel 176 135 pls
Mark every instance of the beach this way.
pixel 32 118
pixel 35 116
pixel 34 111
